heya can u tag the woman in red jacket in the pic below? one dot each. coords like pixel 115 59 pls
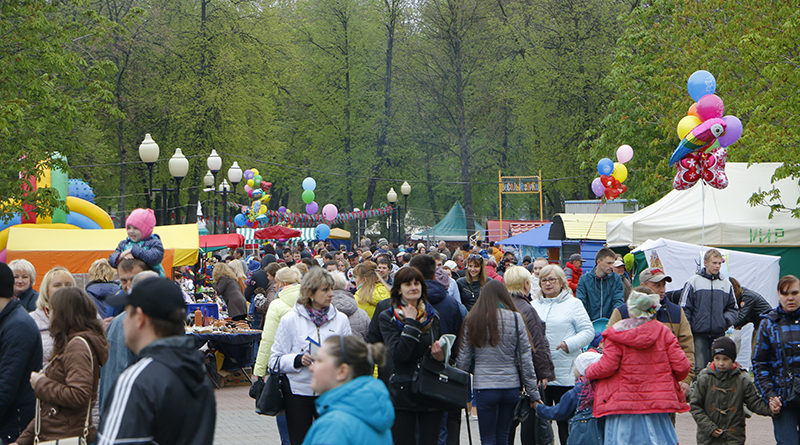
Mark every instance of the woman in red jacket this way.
pixel 637 378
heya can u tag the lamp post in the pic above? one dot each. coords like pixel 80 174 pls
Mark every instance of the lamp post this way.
pixel 224 188
pixel 392 198
pixel 178 168
pixel 405 189
pixel 235 175
pixel 208 181
pixel 214 163
pixel 148 153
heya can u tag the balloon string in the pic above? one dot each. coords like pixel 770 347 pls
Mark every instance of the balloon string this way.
pixel 591 223
pixel 703 213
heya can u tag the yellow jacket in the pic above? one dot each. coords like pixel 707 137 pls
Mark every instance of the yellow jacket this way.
pixel 284 303
pixel 379 293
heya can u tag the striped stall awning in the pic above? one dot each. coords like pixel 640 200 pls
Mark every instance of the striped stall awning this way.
pixel 248 234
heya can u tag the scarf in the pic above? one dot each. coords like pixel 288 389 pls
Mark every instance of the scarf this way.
pixel 318 317
pixel 424 317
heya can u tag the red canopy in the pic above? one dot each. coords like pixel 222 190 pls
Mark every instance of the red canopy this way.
pixel 276 232
pixel 231 240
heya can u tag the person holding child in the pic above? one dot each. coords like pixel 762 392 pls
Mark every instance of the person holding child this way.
pixel 141 242
pixel 718 398
pixel 637 377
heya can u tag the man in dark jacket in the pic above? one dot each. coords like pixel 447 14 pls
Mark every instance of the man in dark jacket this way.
pixel 710 306
pixel 601 290
pixel 165 397
pixel 20 354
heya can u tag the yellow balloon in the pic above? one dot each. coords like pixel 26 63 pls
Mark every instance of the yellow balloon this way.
pixel 250 182
pixel 266 198
pixel 262 210
pixel 255 171
pixel 687 124
pixel 620 172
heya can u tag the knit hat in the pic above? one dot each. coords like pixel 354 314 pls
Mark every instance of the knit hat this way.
pixel 582 361
pixel 724 346
pixel 6 281
pixel 142 219
pixel 641 305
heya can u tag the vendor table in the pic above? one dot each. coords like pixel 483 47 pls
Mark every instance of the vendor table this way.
pixel 237 348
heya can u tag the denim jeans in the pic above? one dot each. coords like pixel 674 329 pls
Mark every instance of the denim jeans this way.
pixel 495 408
pixel 283 428
pixel 702 352
pixel 785 426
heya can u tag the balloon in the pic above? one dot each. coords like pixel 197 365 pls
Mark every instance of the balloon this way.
pixel 701 83
pixel 605 166
pixel 624 153
pixel 251 183
pixel 250 193
pixel 257 193
pixel 282 209
pixel 249 223
pixel 733 130
pixel 257 180
pixel 686 125
pixel 309 184
pixel 598 188
pixel 256 206
pixel 248 174
pixel 247 188
pixel 709 166
pixel 255 171
pixel 620 172
pixel 266 197
pixel 629 261
pixel 329 212
pixel 710 106
pixel 269 185
pixel 692 110
pixel 322 231
pixel 308 196
pixel 262 210
pixel 312 208
pixel 240 220
pixel 264 186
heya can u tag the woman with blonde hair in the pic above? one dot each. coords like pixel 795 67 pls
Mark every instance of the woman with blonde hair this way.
pixel 312 320
pixel 286 282
pixel 24 279
pixel 53 280
pixel 371 288
pixel 66 388
pixel 102 286
pixel 227 287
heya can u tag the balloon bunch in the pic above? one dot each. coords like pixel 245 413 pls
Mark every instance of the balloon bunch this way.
pixel 329 211
pixel 612 174
pixel 258 190
pixel 704 134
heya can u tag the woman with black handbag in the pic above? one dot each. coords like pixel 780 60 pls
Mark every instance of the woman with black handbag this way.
pixel 776 361
pixel 410 328
pixel 496 348
pixel 66 388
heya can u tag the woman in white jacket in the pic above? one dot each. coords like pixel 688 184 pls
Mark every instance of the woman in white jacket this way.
pixel 300 332
pixel 568 330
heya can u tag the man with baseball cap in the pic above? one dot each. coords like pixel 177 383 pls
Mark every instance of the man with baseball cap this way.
pixel 654 281
pixel 165 397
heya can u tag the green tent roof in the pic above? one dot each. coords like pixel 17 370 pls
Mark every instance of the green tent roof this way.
pixel 453 227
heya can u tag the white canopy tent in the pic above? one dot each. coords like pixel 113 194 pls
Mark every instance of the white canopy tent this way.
pixel 727 217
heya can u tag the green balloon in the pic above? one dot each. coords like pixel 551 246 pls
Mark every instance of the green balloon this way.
pixel 257 179
pixel 308 196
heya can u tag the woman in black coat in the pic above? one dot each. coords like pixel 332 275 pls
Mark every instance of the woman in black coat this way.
pixel 410 329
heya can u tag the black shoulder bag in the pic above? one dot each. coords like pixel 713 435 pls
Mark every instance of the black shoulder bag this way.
pixel 440 385
pixel 523 406
pixel 270 402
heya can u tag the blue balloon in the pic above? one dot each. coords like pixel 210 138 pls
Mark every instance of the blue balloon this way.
pixel 701 83
pixel 322 231
pixel 240 220
pixel 605 166
pixel 309 183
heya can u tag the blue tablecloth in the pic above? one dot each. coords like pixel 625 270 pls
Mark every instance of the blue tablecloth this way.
pixel 237 348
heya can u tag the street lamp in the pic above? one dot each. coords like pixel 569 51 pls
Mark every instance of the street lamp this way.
pixel 392 198
pixel 214 163
pixel 178 168
pixel 208 181
pixel 148 153
pixel 405 189
pixel 224 188
pixel 235 175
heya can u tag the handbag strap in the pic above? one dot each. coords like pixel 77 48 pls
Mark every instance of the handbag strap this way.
pixel 517 361
pixel 38 418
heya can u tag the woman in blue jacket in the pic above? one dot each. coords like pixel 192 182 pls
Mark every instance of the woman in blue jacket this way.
pixel 354 408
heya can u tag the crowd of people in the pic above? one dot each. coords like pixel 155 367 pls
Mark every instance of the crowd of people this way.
pixel 346 333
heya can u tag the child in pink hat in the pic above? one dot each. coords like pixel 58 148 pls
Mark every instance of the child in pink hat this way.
pixel 141 242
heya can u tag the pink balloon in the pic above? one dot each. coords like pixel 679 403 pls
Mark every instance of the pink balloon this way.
pixel 329 212
pixel 248 189
pixel 598 188
pixel 710 106
pixel 624 153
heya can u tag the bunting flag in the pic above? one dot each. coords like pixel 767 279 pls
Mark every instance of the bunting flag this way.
pixel 303 220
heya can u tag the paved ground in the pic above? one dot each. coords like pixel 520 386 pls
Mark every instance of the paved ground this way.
pixel 237 423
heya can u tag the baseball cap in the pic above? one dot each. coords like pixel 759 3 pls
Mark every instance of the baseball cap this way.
pixel 450 264
pixel 352 255
pixel 653 274
pixel 575 257
pixel 619 263
pixel 158 297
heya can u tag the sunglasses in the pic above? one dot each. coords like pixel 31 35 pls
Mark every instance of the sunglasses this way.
pixel 475 256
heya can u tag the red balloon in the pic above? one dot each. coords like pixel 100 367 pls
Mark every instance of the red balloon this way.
pixel 264 186
pixel 624 188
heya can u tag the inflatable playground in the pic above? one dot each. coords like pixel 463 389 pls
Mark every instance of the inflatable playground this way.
pixel 85 233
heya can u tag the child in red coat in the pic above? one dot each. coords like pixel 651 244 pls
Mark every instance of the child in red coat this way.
pixel 637 378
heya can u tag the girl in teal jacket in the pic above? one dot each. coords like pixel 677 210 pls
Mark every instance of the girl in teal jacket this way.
pixel 354 408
